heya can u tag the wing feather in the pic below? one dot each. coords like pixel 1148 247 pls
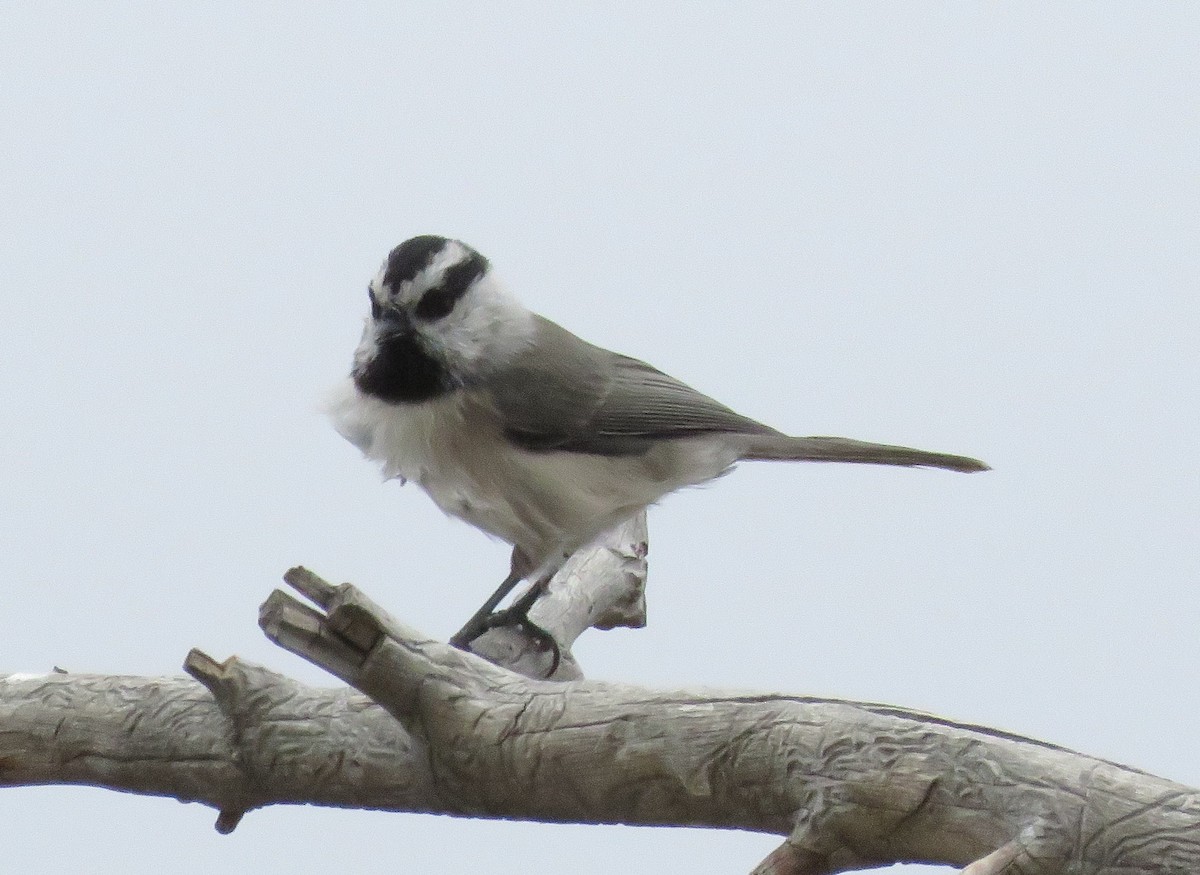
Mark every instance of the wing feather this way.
pixel 564 393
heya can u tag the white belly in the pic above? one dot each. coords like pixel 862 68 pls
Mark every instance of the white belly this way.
pixel 547 503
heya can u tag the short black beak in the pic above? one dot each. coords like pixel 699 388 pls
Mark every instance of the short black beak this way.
pixel 391 321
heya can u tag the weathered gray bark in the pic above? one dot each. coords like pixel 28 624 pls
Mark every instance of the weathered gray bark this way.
pixel 850 785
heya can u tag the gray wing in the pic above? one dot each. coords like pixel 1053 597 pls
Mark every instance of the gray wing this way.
pixel 564 393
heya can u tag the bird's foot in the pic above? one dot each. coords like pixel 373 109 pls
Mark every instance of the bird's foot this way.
pixel 517 619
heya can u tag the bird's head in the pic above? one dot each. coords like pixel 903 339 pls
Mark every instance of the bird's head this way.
pixel 439 321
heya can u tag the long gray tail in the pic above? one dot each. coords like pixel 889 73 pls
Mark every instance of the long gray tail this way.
pixel 834 449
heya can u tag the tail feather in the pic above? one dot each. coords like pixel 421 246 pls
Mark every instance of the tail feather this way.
pixel 835 449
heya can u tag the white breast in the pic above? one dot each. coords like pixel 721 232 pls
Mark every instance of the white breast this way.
pixel 548 503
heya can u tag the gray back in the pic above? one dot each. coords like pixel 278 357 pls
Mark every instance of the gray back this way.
pixel 567 394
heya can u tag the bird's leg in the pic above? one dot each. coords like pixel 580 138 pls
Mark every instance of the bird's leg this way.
pixel 478 624
pixel 487 617
pixel 520 568
pixel 519 609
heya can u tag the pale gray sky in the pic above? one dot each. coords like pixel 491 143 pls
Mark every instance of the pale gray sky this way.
pixel 966 227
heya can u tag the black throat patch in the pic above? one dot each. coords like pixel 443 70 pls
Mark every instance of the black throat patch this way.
pixel 403 372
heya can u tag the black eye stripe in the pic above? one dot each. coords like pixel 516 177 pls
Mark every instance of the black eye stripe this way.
pixel 438 302
pixel 435 304
pixel 410 258
pixel 459 277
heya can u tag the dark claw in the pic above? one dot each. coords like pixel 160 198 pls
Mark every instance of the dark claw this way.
pixel 519 620
pixel 516 615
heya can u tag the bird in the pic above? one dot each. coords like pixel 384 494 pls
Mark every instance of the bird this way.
pixel 531 434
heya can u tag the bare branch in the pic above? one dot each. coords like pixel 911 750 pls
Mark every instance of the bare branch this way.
pixel 851 784
pixel 252 738
pixel 848 784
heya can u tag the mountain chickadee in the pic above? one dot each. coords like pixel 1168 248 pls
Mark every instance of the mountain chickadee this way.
pixel 528 432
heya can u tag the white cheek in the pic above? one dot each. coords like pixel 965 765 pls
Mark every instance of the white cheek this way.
pixel 368 344
pixel 487 327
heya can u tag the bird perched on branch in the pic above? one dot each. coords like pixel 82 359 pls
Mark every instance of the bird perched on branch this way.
pixel 529 433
